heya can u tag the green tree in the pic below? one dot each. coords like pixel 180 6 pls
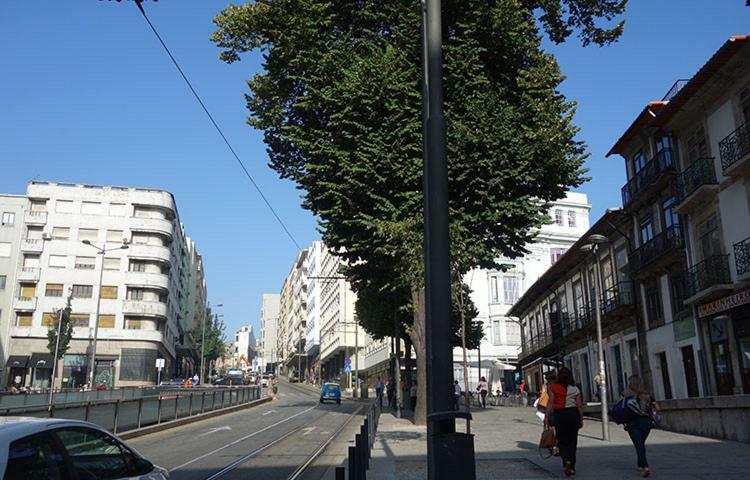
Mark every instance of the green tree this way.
pixel 66 332
pixel 215 337
pixel 339 103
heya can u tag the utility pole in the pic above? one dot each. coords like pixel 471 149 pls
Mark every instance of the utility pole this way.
pixel 450 455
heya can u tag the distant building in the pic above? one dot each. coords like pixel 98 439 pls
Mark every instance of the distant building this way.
pixel 269 319
pixel 244 347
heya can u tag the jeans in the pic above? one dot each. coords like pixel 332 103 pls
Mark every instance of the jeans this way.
pixel 638 430
pixel 483 395
pixel 379 395
pixel 567 421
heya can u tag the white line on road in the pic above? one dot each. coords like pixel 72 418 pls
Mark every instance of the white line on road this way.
pixel 214 430
pixel 308 431
pixel 242 439
pixel 269 412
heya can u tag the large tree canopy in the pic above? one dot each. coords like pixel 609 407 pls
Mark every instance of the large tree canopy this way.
pixel 339 102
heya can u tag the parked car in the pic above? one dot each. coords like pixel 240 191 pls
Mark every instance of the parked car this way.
pixel 330 391
pixel 175 382
pixel 264 380
pixel 68 450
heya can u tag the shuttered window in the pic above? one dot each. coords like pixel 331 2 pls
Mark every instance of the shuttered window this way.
pixel 28 290
pixel 54 290
pixel 79 319
pixel 23 319
pixel 106 321
pixel 109 292
pixel 49 319
pixel 61 233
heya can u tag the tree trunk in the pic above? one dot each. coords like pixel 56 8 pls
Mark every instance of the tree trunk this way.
pixel 418 339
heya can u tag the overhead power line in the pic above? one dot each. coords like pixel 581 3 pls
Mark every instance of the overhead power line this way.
pixel 216 126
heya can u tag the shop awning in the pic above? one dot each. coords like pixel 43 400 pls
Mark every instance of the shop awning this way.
pixel 17 361
pixel 40 360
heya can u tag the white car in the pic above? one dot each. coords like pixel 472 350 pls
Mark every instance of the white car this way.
pixel 59 449
pixel 264 380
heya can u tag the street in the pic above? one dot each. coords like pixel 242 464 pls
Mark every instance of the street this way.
pixel 269 442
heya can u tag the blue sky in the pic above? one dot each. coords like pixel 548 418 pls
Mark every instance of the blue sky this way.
pixel 88 96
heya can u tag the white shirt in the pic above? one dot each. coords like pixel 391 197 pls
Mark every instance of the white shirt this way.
pixel 457 389
pixel 570 396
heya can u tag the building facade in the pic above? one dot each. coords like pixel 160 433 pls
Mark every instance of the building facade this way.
pixel 269 319
pixel 244 347
pixel 144 296
pixel 293 319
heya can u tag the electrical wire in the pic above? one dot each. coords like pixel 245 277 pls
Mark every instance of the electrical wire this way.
pixel 216 126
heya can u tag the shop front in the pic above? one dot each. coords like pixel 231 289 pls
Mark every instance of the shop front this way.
pixel 75 371
pixel 17 370
pixel 41 370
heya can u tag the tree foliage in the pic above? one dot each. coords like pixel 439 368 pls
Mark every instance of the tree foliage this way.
pixel 66 332
pixel 339 104
pixel 215 337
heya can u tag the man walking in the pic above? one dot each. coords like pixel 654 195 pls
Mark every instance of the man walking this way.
pixel 390 389
pixel 456 395
pixel 379 391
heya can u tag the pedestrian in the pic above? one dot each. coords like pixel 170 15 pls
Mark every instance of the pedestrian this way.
pixel 565 412
pixel 543 400
pixel 456 395
pixel 598 388
pixel 639 427
pixel 196 379
pixel 379 391
pixel 482 389
pixel 390 389
pixel 413 395
pixel 522 387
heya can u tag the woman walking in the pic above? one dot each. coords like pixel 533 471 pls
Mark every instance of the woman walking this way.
pixel 640 426
pixel 482 389
pixel 565 410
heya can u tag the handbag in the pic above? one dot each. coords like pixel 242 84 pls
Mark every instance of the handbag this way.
pixel 547 442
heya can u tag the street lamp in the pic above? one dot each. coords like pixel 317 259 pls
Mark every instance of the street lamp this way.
pixel 203 345
pixel 100 251
pixel 593 246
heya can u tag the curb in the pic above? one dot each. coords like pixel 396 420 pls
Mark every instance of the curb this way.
pixel 139 432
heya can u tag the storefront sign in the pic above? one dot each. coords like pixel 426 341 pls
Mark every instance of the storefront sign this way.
pixel 726 303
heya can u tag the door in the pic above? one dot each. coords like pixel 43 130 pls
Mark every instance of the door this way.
pixel 691 378
pixel 664 367
pixel 635 364
pixel 586 380
pixel 618 372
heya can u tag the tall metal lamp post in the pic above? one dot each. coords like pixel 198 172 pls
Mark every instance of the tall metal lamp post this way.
pixel 203 346
pixel 100 251
pixel 593 246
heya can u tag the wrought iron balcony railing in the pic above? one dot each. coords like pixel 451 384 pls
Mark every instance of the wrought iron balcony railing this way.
pixel 667 240
pixel 658 165
pixel 617 296
pixel 735 146
pixel 742 257
pixel 710 272
pixel 700 173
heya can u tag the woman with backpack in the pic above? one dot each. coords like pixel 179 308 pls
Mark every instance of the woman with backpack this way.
pixel 565 412
pixel 639 426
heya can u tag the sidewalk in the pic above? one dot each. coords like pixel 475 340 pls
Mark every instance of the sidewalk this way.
pixel 506 441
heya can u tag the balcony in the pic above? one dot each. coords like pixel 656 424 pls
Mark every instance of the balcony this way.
pixel 35 218
pixel 708 279
pixel 696 185
pixel 617 301
pixel 146 279
pixel 32 245
pixel 143 308
pixel 742 259
pixel 149 252
pixel 735 151
pixel 659 252
pixel 28 274
pixel 650 180
pixel 24 303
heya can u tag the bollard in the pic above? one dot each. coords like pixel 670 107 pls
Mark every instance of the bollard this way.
pixel 117 414
pixel 353 463
pixel 176 403
pixel 88 407
pixel 340 473
pixel 203 402
pixel 359 443
pixel 363 430
pixel 190 405
pixel 158 410
pixel 140 411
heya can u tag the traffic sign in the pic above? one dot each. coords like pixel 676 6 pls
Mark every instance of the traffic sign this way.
pixel 159 363
pixel 348 368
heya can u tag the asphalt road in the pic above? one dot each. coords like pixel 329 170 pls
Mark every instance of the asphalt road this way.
pixel 266 442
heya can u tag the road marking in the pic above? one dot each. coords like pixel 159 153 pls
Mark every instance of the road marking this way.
pixel 269 412
pixel 308 431
pixel 214 430
pixel 242 439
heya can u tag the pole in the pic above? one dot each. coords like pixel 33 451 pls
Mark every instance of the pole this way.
pixel 600 346
pixel 101 252
pixel 55 359
pixel 444 460
pixel 203 350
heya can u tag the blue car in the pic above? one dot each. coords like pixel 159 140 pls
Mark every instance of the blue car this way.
pixel 330 391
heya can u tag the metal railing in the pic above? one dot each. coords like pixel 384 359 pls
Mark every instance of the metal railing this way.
pixel 358 460
pixel 710 272
pixel 735 146
pixel 668 239
pixel 619 295
pixel 654 168
pixel 120 415
pixel 675 89
pixel 742 256
pixel 700 173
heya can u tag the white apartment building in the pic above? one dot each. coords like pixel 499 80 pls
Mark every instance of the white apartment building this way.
pixel 12 221
pixel 145 289
pixel 244 346
pixel 314 285
pixel 293 318
pixel 494 292
pixel 269 319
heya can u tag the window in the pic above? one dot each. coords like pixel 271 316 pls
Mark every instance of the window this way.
pixel 54 290
pixel 23 319
pixel 85 263
pixel 708 234
pixel 28 290
pixel 79 319
pixel 89 234
pixel 577 296
pixel 134 324
pixel 106 321
pixel 135 293
pixel 50 319
pixel 3 280
pixel 571 218
pixel 494 294
pixel 670 216
pixel 111 263
pixel 82 291
pixel 31 261
pixel 94 454
pixel 57 261
pixel 118 209
pixel 559 218
pixel 653 303
pixel 496 337
pixel 9 218
pixel 697 146
pixel 677 292
pixel 5 249
pixel 114 236
pixel 34 234
pixel 555 254
pixel 36 457
pixel 60 233
pixel 639 161
pixel 647 228
pixel 510 289
pixel 38 205
pixel 137 364
pixel 91 208
pixel 607 275
pixel 664 151
pixel 137 266
pixel 145 212
pixel 109 292
pixel 64 206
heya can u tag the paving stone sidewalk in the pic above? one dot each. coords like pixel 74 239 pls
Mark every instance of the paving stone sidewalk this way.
pixel 506 448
